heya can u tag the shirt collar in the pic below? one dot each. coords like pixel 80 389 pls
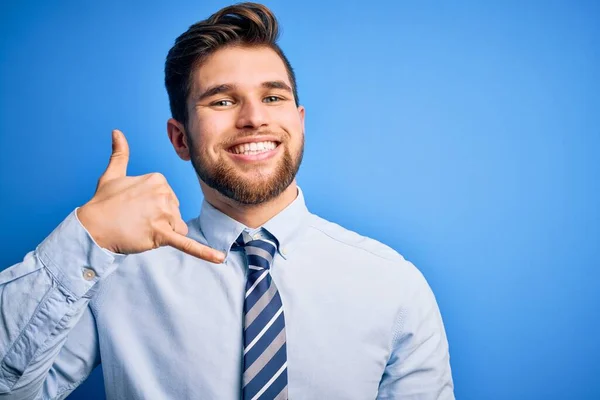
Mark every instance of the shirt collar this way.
pixel 221 231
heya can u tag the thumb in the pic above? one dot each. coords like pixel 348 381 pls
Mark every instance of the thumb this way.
pixel 117 166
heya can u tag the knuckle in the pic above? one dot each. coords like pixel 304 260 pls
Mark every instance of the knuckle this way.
pixel 186 245
pixel 161 204
pixel 156 177
pixel 155 241
pixel 163 199
pixel 159 229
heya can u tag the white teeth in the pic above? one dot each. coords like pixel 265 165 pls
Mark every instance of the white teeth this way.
pixel 253 148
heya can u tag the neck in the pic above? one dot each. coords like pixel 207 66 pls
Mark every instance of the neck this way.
pixel 254 215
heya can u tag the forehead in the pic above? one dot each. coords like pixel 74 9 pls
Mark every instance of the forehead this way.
pixel 244 67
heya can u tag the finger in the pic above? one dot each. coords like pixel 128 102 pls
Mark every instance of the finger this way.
pixel 179 226
pixel 175 219
pixel 119 158
pixel 173 198
pixel 164 188
pixel 192 247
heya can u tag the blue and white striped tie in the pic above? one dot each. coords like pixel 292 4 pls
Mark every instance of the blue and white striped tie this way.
pixel 265 358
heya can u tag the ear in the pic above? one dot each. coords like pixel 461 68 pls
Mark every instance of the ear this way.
pixel 302 113
pixel 178 139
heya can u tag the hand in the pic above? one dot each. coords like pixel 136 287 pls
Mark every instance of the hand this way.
pixel 132 214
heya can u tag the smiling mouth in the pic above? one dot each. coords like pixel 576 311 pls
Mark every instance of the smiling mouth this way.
pixel 253 148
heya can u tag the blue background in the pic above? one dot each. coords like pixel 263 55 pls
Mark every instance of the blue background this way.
pixel 463 134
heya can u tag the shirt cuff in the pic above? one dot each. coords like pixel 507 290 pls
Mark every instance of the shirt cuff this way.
pixel 74 258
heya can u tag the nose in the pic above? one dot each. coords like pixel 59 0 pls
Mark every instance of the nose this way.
pixel 252 115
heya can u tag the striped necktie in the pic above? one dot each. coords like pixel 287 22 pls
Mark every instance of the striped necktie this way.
pixel 265 358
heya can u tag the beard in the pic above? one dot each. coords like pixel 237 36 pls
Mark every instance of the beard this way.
pixel 224 178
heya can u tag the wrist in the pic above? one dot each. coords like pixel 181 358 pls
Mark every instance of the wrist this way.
pixel 86 216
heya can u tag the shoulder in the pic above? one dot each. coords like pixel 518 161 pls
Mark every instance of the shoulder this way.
pixel 354 242
pixel 366 258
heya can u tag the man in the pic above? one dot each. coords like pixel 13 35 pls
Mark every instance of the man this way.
pixel 256 298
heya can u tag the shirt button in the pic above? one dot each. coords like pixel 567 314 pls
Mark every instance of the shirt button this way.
pixel 283 250
pixel 256 237
pixel 88 274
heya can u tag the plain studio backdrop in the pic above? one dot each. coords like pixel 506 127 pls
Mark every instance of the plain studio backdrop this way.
pixel 463 134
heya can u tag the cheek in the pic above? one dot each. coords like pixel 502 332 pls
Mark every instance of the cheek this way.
pixel 296 129
pixel 207 133
pixel 293 124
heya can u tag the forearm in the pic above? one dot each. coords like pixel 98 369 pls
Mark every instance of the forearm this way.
pixel 41 301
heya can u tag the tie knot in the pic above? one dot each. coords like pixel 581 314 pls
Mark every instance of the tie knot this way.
pixel 259 252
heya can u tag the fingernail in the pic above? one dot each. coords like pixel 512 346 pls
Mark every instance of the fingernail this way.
pixel 220 258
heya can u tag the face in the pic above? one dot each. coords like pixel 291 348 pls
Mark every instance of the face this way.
pixel 245 133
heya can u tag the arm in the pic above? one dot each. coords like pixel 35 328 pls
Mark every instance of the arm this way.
pixel 48 338
pixel 419 364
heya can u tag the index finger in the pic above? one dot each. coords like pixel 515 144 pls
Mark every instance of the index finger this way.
pixel 192 247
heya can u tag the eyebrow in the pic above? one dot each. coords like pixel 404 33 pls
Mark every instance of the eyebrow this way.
pixel 229 87
pixel 277 85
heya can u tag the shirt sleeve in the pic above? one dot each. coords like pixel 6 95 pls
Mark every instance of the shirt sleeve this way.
pixel 419 364
pixel 48 338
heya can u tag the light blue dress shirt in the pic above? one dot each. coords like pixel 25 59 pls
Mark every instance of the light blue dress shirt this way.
pixel 361 321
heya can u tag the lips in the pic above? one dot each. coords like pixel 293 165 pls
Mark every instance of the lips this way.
pixel 255 150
